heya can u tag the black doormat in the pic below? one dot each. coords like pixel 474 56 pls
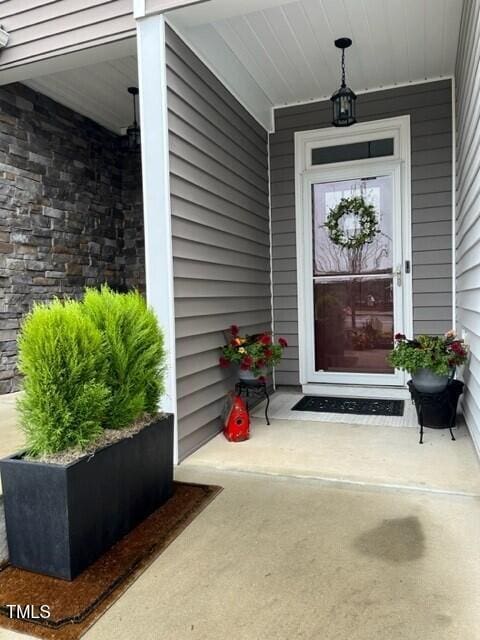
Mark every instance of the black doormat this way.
pixel 359 406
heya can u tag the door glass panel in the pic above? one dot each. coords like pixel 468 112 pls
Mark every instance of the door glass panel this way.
pixel 353 288
pixel 375 257
pixel 353 325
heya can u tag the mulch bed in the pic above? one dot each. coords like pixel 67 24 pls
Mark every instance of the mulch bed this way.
pixel 75 606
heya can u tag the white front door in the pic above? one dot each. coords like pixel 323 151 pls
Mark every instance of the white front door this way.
pixel 353 299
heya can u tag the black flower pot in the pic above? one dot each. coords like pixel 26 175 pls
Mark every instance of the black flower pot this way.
pixel 61 518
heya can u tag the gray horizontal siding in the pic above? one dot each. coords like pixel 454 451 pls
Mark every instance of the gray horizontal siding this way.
pixel 220 226
pixel 429 107
pixel 40 29
pixel 468 208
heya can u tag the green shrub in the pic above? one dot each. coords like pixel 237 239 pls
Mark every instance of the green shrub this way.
pixel 87 365
pixel 65 398
pixel 134 350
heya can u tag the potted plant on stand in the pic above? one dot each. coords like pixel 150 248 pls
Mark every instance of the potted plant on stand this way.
pixel 431 360
pixel 253 355
pixel 99 456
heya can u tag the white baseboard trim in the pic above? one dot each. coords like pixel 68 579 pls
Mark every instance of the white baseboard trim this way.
pixel 351 391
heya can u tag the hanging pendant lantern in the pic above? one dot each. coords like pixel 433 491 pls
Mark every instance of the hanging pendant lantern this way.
pixel 133 131
pixel 343 100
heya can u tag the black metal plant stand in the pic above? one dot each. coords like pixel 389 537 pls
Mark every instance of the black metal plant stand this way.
pixel 437 410
pixel 255 388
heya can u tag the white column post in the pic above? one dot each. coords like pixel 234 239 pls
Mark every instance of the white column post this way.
pixel 156 191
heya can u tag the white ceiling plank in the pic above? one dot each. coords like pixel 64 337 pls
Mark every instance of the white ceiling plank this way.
pixel 263 27
pixel 364 41
pixel 112 92
pixel 311 42
pixel 325 38
pixel 376 17
pixel 415 21
pixel 127 66
pixel 339 25
pixel 245 45
pixel 435 36
pixel 65 95
pixel 452 28
pixel 111 81
pixel 398 39
pixel 98 93
pixel 291 41
pixel 216 10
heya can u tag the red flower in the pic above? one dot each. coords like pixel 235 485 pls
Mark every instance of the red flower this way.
pixel 266 339
pixel 223 362
pixel 234 330
pixel 400 336
pixel 457 348
pixel 261 363
pixel 246 363
pixel 282 342
pixel 268 353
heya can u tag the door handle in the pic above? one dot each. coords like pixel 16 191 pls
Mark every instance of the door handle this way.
pixel 398 275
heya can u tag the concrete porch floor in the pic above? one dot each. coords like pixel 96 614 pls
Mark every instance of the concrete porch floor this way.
pixel 350 453
pixel 278 557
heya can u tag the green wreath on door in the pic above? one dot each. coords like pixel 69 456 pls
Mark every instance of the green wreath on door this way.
pixel 367 218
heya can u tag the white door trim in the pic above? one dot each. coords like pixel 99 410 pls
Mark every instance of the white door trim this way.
pixel 399 129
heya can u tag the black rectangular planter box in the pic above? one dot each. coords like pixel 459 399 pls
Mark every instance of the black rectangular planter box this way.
pixel 61 518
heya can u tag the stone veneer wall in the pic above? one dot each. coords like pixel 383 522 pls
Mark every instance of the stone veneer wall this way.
pixel 70 211
pixel 133 238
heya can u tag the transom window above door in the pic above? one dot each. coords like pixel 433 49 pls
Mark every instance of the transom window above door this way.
pixel 362 143
pixel 353 151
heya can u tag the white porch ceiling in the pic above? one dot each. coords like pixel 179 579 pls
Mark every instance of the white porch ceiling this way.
pixel 277 52
pixel 98 91
pixel 271 53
